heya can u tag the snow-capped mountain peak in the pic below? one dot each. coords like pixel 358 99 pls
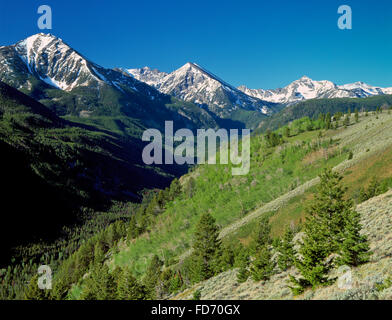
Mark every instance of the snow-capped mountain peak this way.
pixel 191 82
pixel 305 88
pixel 146 74
pixel 51 60
pixel 56 63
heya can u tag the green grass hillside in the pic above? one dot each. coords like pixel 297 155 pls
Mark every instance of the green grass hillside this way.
pixel 280 176
pixel 283 174
pixel 371 281
pixel 312 108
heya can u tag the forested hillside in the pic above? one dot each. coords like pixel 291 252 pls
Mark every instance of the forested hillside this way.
pixel 156 250
pixel 312 109
pixel 57 166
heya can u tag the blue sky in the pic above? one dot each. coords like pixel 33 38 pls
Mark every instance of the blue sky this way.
pixel 262 44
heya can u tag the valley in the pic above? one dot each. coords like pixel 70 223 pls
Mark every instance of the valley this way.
pixel 72 140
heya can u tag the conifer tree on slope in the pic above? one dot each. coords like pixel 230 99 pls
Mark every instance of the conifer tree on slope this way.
pixel 152 276
pixel 262 265
pixel 100 285
pixel 323 230
pixel 205 246
pixel 354 249
pixel 128 287
pixel 243 263
pixel 286 250
pixel 33 292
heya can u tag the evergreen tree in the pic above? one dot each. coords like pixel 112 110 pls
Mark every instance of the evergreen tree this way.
pixel 264 233
pixel 206 245
pixel 33 292
pixel 152 276
pixel 60 289
pixel 354 249
pixel 356 115
pixel 133 230
pixel 129 288
pixel 323 230
pixel 99 254
pixel 286 250
pixel 243 262
pixel 224 259
pixel 328 121
pixel 262 265
pixel 100 284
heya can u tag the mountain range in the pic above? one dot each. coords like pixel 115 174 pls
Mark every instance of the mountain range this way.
pixel 181 83
pixel 306 88
pixel 46 68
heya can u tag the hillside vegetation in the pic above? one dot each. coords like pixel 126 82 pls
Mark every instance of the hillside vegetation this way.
pixel 283 172
pixel 370 281
pixel 312 109
pixel 59 166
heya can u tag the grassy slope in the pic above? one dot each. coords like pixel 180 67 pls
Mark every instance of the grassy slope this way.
pixel 312 108
pixel 277 177
pixel 377 223
pixel 370 134
pixel 229 199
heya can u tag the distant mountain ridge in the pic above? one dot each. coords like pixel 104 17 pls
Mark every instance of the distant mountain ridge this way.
pixel 49 70
pixel 193 83
pixel 306 88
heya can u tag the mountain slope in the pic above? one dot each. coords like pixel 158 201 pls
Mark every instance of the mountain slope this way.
pixel 313 108
pixel 46 68
pixel 368 278
pixel 57 166
pixel 306 88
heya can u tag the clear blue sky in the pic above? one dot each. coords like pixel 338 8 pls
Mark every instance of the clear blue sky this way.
pixel 263 44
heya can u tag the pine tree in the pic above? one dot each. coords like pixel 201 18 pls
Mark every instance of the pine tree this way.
pixel 262 265
pixel 100 285
pixel 243 262
pixel 264 233
pixel 33 292
pixel 133 230
pixel 323 229
pixel 354 249
pixel 286 250
pixel 356 115
pixel 206 245
pixel 152 276
pixel 129 288
pixel 328 121
pixel 224 259
pixel 99 255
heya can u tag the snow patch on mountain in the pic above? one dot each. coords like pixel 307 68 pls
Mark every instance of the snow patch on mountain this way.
pixel 193 83
pixel 306 88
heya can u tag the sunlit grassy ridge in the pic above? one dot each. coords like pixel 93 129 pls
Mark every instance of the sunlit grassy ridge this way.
pixel 371 281
pixel 280 181
pixel 371 143
pixel 273 172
